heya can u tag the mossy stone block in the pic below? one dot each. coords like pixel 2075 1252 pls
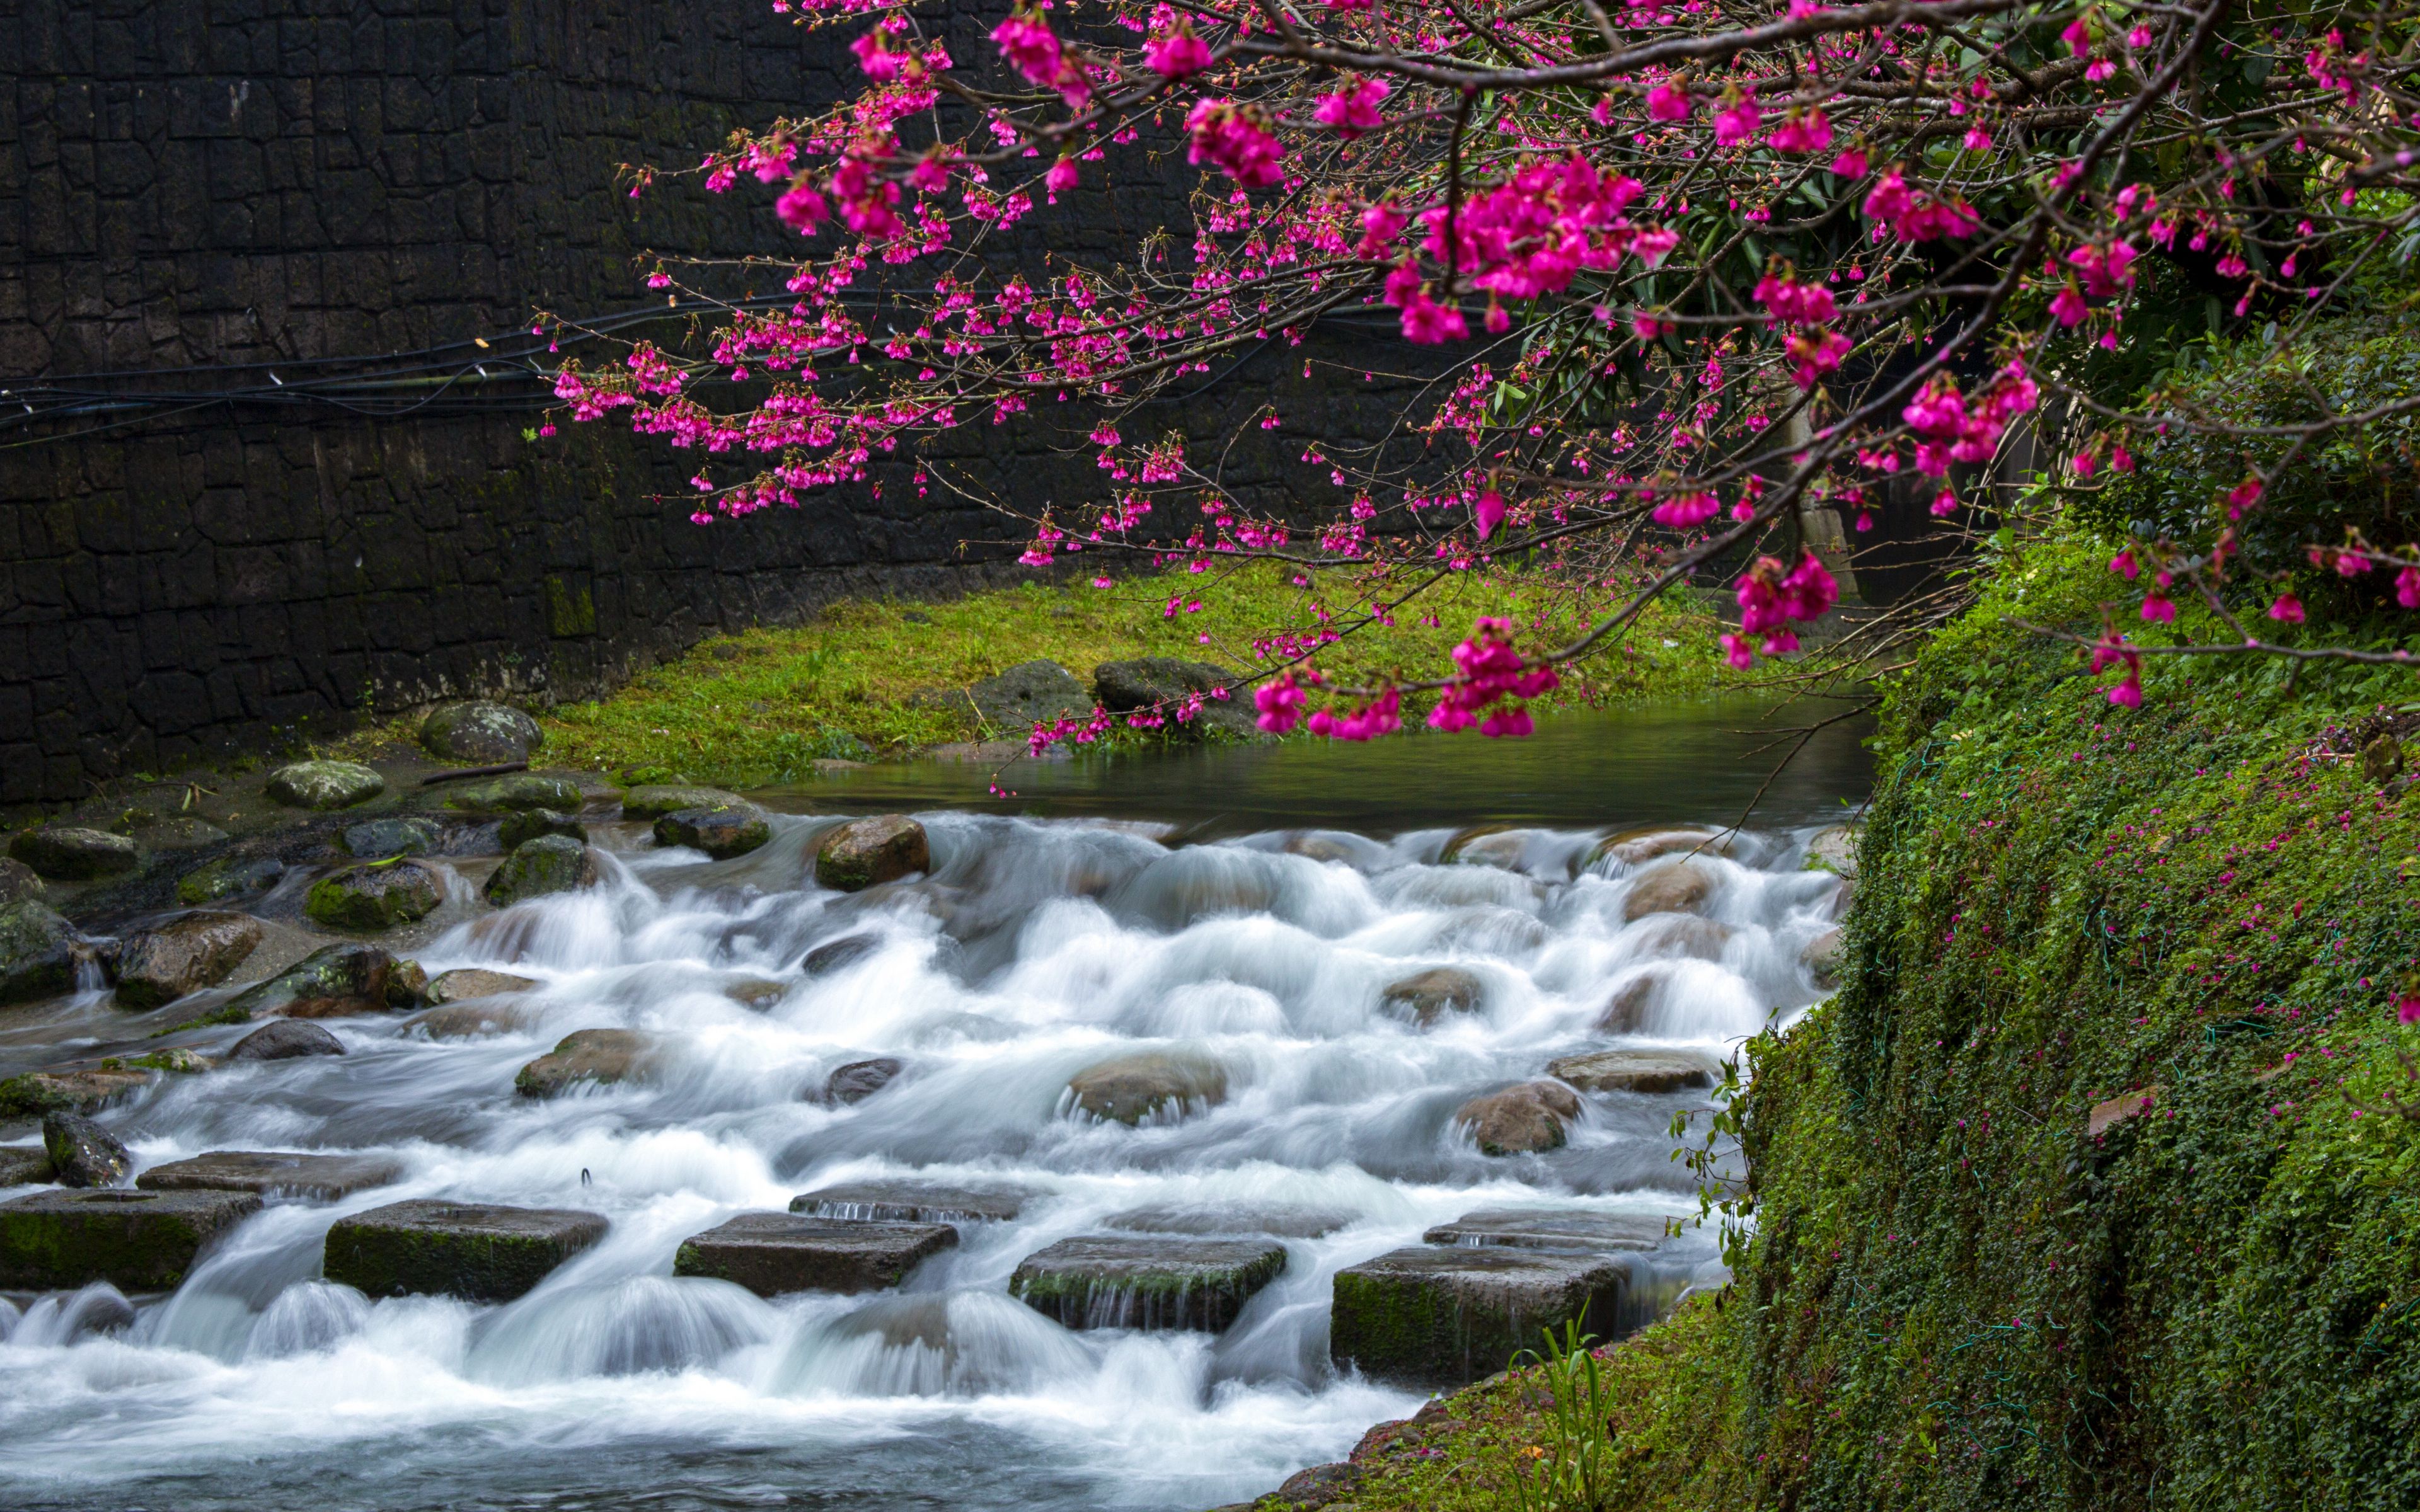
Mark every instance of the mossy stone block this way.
pixel 653 800
pixel 774 1253
pixel 517 793
pixel 1445 1316
pixel 722 833
pixel 550 863
pixel 37 952
pixel 433 1247
pixel 376 896
pixel 229 876
pixel 1127 1282
pixel 135 1241
pixel 324 784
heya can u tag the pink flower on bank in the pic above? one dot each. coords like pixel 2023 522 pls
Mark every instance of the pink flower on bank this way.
pixel 1061 175
pixel 1687 511
pixel 2287 610
pixel 1668 102
pixel 1354 109
pixel 801 209
pixel 882 64
pixel 2407 1006
pixel 1810 131
pixel 1176 54
pixel 1488 510
pixel 1231 137
pixel 1850 164
pixel 1739 123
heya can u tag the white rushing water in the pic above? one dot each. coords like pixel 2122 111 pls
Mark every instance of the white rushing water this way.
pixel 1035 949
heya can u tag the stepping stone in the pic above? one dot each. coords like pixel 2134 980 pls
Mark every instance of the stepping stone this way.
pixel 434 1247
pixel 1099 1281
pixel 1233 1218
pixel 135 1241
pixel 268 1174
pixel 1551 1228
pixel 1634 1071
pixel 773 1253
pixel 1446 1316
pixel 915 1202
pixel 469 982
pixel 863 852
pixel 598 1057
pixel 861 1079
pixel 182 955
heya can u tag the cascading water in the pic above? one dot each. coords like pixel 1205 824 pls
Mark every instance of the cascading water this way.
pixel 1034 949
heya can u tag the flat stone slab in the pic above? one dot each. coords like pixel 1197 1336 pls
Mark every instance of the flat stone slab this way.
pixel 1432 1316
pixel 1551 1228
pixel 270 1173
pixel 434 1247
pixel 1634 1071
pixel 1233 1218
pixel 1103 1281
pixel 135 1241
pixel 915 1202
pixel 773 1253
pixel 25 1166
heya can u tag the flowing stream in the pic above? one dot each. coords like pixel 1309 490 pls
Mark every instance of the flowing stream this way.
pixel 1246 906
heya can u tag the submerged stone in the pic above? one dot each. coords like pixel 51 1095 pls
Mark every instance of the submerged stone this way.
pixel 1149 1085
pixel 229 876
pixel 24 1166
pixel 865 851
pixel 1637 847
pixel 83 1153
pixel 598 1057
pixel 475 1020
pixel 1634 1071
pixel 913 1201
pixel 773 1252
pixel 550 863
pixel 182 955
pixel 376 895
pixel 67 853
pixel 433 1247
pixel 135 1241
pixel 378 840
pixel 1115 1282
pixel 721 832
pixel 861 1079
pixel 38 1092
pixel 653 800
pixel 480 733
pixel 1520 1120
pixel 286 1040
pixel 1551 1228
pixel 333 982
pixel 37 952
pixel 839 954
pixel 318 1178
pixel 530 825
pixel 324 784
pixel 472 982
pixel 1426 997
pixel 1678 888
pixel 1444 1316
pixel 519 791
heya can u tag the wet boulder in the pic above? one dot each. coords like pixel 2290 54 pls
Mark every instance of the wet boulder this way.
pixel 1442 1316
pixel 515 793
pixel 1426 997
pixel 18 882
pixel 1158 1086
pixel 653 800
pixel 24 1166
pixel 1029 693
pixel 66 852
pixel 720 832
pixel 1165 683
pixel 774 1253
pixel 865 851
pixel 1677 888
pixel 324 784
pixel 39 1092
pixel 1637 847
pixel 83 1153
pixel 480 733
pixel 596 1058
pixel 860 1079
pixel 478 1019
pixel 1578 1228
pixel 37 952
pixel 275 1174
pixel 531 824
pixel 137 1241
pixel 1634 1071
pixel 406 984
pixel 374 895
pixel 229 876
pixel 914 1201
pixel 1684 935
pixel 471 981
pixel 334 983
pixel 476 1251
pixel 838 955
pixel 379 840
pixel 1520 1120
pixel 1822 959
pixel 286 1040
pixel 550 863
pixel 182 955
pixel 1103 1281
pixel 1632 1006
pixel 1834 849
pixel 1497 846
pixel 757 993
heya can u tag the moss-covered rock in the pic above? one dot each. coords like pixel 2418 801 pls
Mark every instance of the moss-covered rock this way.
pixel 474 1251
pixel 480 733
pixel 775 1253
pixel 528 825
pixel 1150 1283
pixel 324 784
pixel 229 876
pixel 1443 1315
pixel 1519 1121
pixel 135 1241
pixel 83 1153
pixel 182 955
pixel 589 1057
pixel 550 863
pixel 376 895
pixel 275 1174
pixel 66 852
pixel 24 1166
pixel 865 851
pixel 378 840
pixel 722 833
pixel 332 982
pixel 1425 997
pixel 1160 1085
pixel 18 882
pixel 653 800
pixel 37 952
pixel 39 1092
pixel 515 793
pixel 467 983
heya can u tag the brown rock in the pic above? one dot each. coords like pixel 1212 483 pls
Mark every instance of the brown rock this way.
pixel 1821 958
pixel 1678 888
pixel 1632 1071
pixel 1521 1120
pixel 1629 1010
pixel 1637 847
pixel 865 851
pixel 1427 995
pixel 1671 934
pixel 185 954
pixel 861 1079
pixel 475 1020
pixel 1151 1083
pixel 599 1056
pixel 469 982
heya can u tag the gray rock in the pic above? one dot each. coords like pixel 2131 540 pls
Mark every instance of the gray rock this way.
pixel 480 734
pixel 324 784
pixel 773 1252
pixel 600 1058
pixel 1520 1120
pixel 1677 888
pixel 1116 1282
pixel 1128 687
pixel 433 1247
pixel 83 1153
pixel 1637 847
pixel 839 954
pixel 1157 1085
pixel 182 955
pixel 1682 934
pixel 1428 996
pixel 406 984
pixel 518 828
pixel 229 876
pixel 551 863
pixel 334 983
pixel 1821 958
pixel 1281 1220
pixel 375 840
pixel 1029 693
pixel 653 800
pixel 1632 1005
pixel 722 833
pixel 39 1092
pixel 67 854
pixel 275 1174
pixel 477 1019
pixel 286 1040
pixel 515 793
pixel 860 1079
pixel 1551 1228
pixel 757 993
pixel 24 1166
pixel 913 1201
pixel 467 983
pixel 1833 850
pixel 865 852
pixel 37 952
pixel 1494 845
pixel 374 895
pixel 136 1240
pixel 1634 1071
pixel 18 882
pixel 1444 1316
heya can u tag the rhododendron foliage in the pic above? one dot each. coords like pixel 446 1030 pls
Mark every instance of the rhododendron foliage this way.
pixel 1695 286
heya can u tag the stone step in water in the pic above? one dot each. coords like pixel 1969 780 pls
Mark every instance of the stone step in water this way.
pixel 1551 1228
pixel 135 1241
pixel 1636 1071
pixel 1103 1281
pixel 1278 1220
pixel 916 1202
pixel 275 1173
pixel 773 1252
pixel 1435 1315
pixel 472 1250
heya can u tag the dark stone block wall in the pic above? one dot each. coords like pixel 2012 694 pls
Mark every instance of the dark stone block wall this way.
pixel 217 195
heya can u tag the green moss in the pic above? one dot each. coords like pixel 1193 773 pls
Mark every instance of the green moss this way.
pixel 230 1014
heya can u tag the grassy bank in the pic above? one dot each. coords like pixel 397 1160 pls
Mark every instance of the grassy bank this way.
pixel 1962 1294
pixel 871 678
